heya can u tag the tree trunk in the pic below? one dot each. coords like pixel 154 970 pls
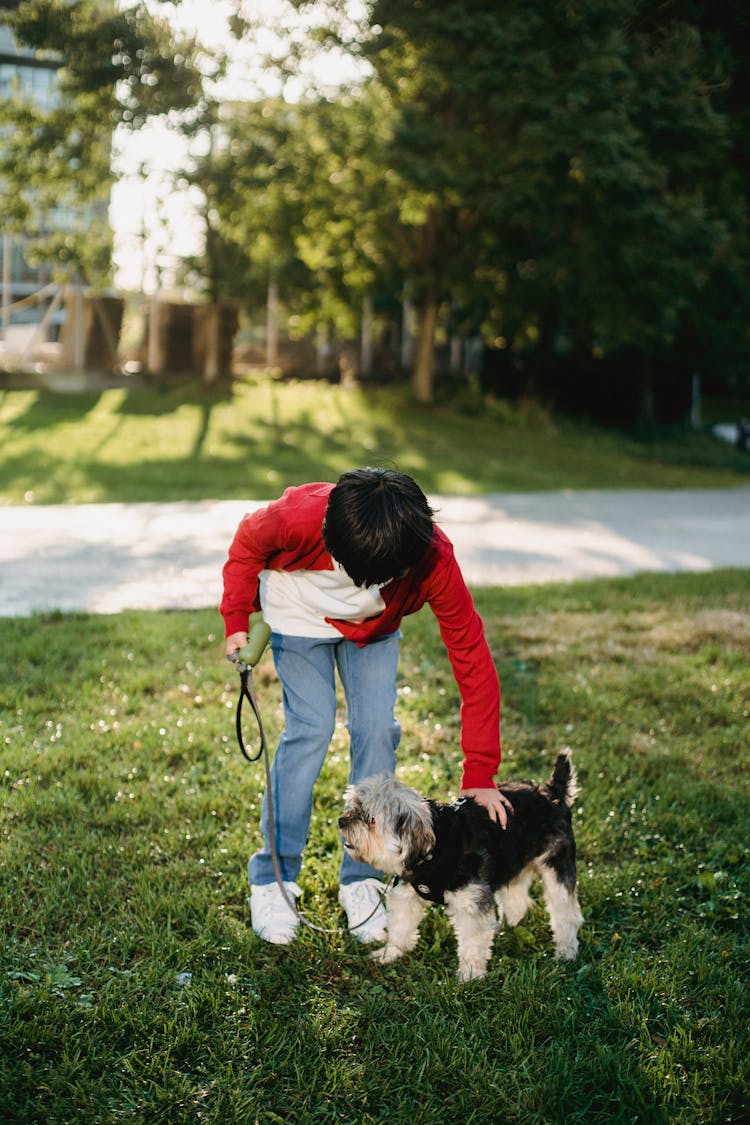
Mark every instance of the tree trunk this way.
pixel 212 328
pixel 322 351
pixel 7 293
pixel 272 324
pixel 457 355
pixel 695 401
pixel 424 364
pixel 647 402
pixel 365 360
pixel 407 335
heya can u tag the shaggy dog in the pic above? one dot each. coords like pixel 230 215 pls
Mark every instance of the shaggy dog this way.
pixel 456 855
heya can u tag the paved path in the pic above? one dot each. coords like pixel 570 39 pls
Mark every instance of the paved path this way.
pixel 107 557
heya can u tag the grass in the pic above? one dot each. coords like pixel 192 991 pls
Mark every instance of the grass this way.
pixel 184 443
pixel 131 985
pixel 133 989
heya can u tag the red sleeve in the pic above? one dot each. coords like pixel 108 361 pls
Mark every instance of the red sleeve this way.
pixel 462 631
pixel 255 542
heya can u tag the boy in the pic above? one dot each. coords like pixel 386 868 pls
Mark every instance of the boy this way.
pixel 335 568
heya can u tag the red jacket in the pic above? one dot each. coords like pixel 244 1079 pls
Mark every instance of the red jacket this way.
pixel 288 535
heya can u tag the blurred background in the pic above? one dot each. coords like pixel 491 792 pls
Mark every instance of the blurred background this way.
pixel 513 199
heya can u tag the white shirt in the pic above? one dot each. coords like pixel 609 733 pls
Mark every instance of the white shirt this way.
pixel 297 602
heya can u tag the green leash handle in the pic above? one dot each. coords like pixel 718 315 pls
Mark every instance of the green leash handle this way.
pixel 257 639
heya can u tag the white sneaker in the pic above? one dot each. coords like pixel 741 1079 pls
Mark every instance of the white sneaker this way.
pixel 363 904
pixel 271 915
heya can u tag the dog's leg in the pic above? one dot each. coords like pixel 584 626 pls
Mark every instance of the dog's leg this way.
pixel 473 917
pixel 405 910
pixel 562 903
pixel 513 899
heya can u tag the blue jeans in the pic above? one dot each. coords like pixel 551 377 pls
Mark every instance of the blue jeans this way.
pixel 306 668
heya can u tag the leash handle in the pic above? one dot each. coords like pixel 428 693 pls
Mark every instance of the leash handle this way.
pixel 258 637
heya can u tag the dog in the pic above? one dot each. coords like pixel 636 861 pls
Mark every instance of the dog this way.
pixel 456 855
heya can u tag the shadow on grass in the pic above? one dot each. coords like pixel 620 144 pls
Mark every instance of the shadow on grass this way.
pixel 166 396
pixel 206 409
pixel 533 1042
pixel 261 469
pixel 48 408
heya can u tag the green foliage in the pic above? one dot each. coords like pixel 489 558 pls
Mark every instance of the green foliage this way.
pixel 571 179
pixel 126 54
pixel 117 66
pixel 295 193
pixel 348 234
pixel 132 986
pixel 253 203
pixel 590 147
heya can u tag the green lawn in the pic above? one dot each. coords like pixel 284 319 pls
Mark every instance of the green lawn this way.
pixel 184 443
pixel 133 989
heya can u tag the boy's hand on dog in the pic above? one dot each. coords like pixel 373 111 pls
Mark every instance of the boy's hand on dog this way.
pixel 496 804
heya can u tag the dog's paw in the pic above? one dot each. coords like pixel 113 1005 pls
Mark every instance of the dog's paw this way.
pixel 567 952
pixel 468 972
pixel 385 954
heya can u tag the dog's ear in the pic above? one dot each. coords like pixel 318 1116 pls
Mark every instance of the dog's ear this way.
pixel 415 829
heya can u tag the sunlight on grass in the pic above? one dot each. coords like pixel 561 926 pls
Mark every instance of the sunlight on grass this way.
pixel 186 443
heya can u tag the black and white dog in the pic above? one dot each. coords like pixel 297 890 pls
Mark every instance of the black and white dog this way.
pixel 456 855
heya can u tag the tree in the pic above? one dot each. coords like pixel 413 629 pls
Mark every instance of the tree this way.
pixel 391 182
pixel 567 156
pixel 293 195
pixel 714 338
pixel 347 202
pixel 252 203
pixel 571 179
pixel 117 66
pixel 437 65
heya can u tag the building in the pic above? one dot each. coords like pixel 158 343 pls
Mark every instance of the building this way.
pixel 30 305
pixel 24 73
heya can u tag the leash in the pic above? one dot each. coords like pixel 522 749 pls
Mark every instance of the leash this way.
pixel 247 692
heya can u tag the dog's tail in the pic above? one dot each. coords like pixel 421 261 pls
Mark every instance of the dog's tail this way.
pixel 563 785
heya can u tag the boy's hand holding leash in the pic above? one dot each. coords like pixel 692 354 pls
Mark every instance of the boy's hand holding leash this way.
pixel 235 643
pixel 247 648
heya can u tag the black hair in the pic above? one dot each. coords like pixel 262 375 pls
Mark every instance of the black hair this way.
pixel 377 525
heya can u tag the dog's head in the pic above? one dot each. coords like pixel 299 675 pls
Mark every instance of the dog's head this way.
pixel 387 825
